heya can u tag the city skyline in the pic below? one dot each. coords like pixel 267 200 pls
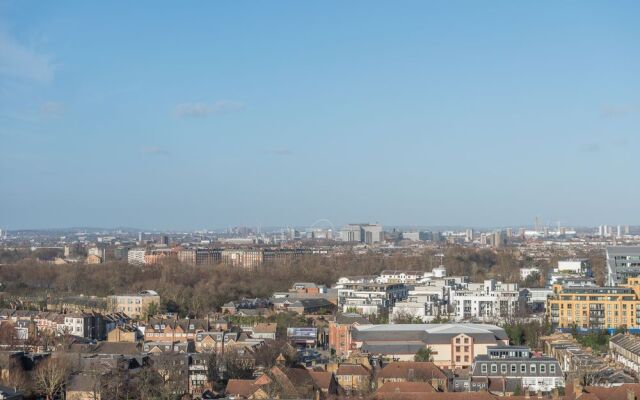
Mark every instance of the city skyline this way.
pixel 466 114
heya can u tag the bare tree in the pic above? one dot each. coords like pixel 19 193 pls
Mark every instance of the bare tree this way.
pixel 51 375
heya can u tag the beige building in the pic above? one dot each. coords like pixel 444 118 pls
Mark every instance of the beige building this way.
pixel 452 345
pixel 134 305
pixel 242 258
pixel 122 334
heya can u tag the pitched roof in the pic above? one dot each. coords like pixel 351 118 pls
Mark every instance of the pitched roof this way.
pixel 410 369
pixel 613 393
pixel 241 387
pixel 322 379
pixel 406 387
pixel 437 396
pixel 352 369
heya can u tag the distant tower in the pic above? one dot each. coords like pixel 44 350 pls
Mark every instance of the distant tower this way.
pixel 619 231
pixel 536 225
pixel 140 236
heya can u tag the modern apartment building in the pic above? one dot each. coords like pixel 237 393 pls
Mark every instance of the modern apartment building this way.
pixel 486 301
pixel 134 305
pixel 623 262
pixel 370 298
pixel 595 307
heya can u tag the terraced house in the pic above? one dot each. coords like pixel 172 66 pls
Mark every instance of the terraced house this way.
pixel 596 307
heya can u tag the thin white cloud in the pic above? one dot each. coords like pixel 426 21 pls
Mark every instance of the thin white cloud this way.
pixel 52 108
pixel 617 111
pixel 18 61
pixel 282 152
pixel 590 148
pixel 199 110
pixel 154 150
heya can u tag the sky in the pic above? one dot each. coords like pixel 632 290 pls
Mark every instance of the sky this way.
pixel 190 115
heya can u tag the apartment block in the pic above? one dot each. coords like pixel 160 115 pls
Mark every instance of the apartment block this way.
pixel 594 307
pixel 134 305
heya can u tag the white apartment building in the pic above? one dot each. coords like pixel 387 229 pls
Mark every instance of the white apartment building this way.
pixel 411 277
pixel 136 256
pixel 424 302
pixel 526 272
pixel 486 301
pixel 370 298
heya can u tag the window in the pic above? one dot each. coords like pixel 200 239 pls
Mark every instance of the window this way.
pixel 483 368
pixel 552 369
pixel 457 349
pixel 513 368
pixel 532 368
pixel 458 340
pixel 457 358
pixel 466 349
pixel 466 358
pixel 494 368
pixel 543 368
pixel 466 340
pixel 503 368
pixel 523 368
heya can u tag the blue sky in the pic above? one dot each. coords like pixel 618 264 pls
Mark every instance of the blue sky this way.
pixel 213 114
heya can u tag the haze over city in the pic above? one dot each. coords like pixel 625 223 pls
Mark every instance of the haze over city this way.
pixel 278 114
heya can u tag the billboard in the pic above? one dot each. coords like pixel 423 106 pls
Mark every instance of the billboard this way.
pixel 302 333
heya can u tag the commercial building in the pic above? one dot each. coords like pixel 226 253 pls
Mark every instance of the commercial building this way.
pixel 511 369
pixel 623 262
pixel 452 345
pixel 594 307
pixel 134 305
pixel 362 233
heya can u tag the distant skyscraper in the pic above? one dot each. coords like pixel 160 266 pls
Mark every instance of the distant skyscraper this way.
pixel 626 229
pixel 164 239
pixel 140 236
pixel 619 231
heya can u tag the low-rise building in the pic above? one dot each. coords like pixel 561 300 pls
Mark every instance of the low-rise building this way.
pixel 511 369
pixel 452 345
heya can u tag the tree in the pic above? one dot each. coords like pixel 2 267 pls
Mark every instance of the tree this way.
pixel 406 318
pixel 424 354
pixel 51 375
pixel 152 309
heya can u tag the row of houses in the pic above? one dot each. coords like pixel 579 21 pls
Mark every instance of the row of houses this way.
pixel 90 325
